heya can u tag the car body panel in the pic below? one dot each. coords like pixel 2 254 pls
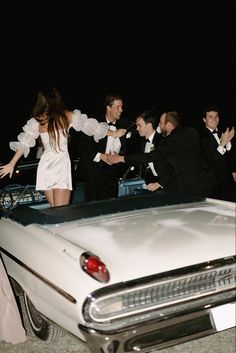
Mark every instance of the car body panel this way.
pixel 139 239
pixel 152 234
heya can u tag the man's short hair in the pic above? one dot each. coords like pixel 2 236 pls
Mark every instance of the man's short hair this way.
pixel 210 108
pixel 110 98
pixel 173 118
pixel 150 116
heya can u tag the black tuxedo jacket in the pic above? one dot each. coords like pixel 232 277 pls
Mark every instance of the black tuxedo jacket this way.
pixel 145 171
pixel 180 162
pixel 101 178
pixel 220 164
pixel 155 141
pixel 89 148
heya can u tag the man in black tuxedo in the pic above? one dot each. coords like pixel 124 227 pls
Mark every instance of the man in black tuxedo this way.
pixel 178 159
pixel 147 127
pixel 101 179
pixel 218 150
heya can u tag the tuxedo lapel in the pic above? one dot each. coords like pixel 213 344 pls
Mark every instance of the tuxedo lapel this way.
pixel 211 137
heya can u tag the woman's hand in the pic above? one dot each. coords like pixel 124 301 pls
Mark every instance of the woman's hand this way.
pixel 116 133
pixel 120 132
pixel 6 169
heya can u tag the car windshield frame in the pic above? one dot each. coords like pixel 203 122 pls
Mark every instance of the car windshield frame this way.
pixel 28 214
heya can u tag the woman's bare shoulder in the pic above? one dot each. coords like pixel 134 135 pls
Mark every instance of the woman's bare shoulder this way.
pixel 69 115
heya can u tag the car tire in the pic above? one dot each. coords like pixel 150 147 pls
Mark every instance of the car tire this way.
pixel 40 326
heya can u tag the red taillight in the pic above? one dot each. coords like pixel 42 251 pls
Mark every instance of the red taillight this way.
pixel 94 267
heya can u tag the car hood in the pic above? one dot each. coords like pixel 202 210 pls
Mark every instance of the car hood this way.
pixel 141 243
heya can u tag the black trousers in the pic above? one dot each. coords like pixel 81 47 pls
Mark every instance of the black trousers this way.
pixel 102 182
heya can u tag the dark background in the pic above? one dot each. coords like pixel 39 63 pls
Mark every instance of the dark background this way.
pixel 168 54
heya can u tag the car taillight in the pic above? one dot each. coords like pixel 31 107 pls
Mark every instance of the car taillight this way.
pixel 165 295
pixel 94 267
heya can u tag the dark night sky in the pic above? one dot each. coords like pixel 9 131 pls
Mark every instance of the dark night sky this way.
pixel 173 56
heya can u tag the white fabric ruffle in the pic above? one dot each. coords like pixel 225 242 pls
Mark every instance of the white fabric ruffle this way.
pixel 90 126
pixel 80 122
pixel 11 328
pixel 26 139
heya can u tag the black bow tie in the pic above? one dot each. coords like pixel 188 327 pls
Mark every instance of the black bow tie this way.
pixel 147 140
pixel 111 124
pixel 215 132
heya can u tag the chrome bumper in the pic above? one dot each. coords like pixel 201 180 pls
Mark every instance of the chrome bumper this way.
pixel 158 334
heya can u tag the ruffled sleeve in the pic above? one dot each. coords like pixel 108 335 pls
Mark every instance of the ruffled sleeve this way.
pixel 90 126
pixel 26 139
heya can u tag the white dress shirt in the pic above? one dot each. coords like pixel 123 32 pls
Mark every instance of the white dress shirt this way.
pixel 113 144
pixel 148 148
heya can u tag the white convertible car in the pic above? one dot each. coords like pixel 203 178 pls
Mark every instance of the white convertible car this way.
pixel 131 274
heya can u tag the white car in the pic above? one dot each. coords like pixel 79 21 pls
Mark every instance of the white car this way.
pixel 130 274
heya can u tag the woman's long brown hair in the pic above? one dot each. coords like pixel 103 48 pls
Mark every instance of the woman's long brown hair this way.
pixel 50 108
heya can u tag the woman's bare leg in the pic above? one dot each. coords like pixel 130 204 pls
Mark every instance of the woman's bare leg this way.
pixel 49 197
pixel 58 197
pixel 61 197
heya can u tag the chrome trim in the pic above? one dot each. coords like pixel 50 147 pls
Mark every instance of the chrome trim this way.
pixel 40 277
pixel 153 311
pixel 152 335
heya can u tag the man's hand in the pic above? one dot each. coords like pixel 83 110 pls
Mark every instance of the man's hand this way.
pixel 234 176
pixel 114 158
pixel 224 137
pixel 111 158
pixel 227 136
pixel 231 134
pixel 104 158
pixel 154 186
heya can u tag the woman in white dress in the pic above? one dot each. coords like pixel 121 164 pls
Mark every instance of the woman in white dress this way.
pixel 51 121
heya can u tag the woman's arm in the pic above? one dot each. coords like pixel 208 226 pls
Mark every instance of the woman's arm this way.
pixel 26 140
pixel 116 133
pixel 90 126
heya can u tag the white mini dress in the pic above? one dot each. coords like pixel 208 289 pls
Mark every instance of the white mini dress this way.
pixel 54 168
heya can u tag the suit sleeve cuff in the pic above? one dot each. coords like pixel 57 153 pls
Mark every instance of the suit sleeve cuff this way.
pixel 221 150
pixel 97 157
pixel 228 146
